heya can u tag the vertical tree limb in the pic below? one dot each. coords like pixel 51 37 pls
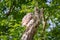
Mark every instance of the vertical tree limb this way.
pixel 31 30
pixel 44 24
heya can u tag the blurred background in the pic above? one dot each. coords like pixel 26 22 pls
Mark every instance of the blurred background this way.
pixel 12 12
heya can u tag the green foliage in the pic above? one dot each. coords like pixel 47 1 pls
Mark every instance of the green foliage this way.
pixel 10 26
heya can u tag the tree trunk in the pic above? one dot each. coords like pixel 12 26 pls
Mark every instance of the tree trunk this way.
pixel 30 31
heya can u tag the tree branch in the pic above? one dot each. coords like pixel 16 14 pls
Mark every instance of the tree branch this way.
pixel 11 8
pixel 31 30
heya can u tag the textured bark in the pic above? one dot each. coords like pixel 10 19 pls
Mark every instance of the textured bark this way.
pixel 32 28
